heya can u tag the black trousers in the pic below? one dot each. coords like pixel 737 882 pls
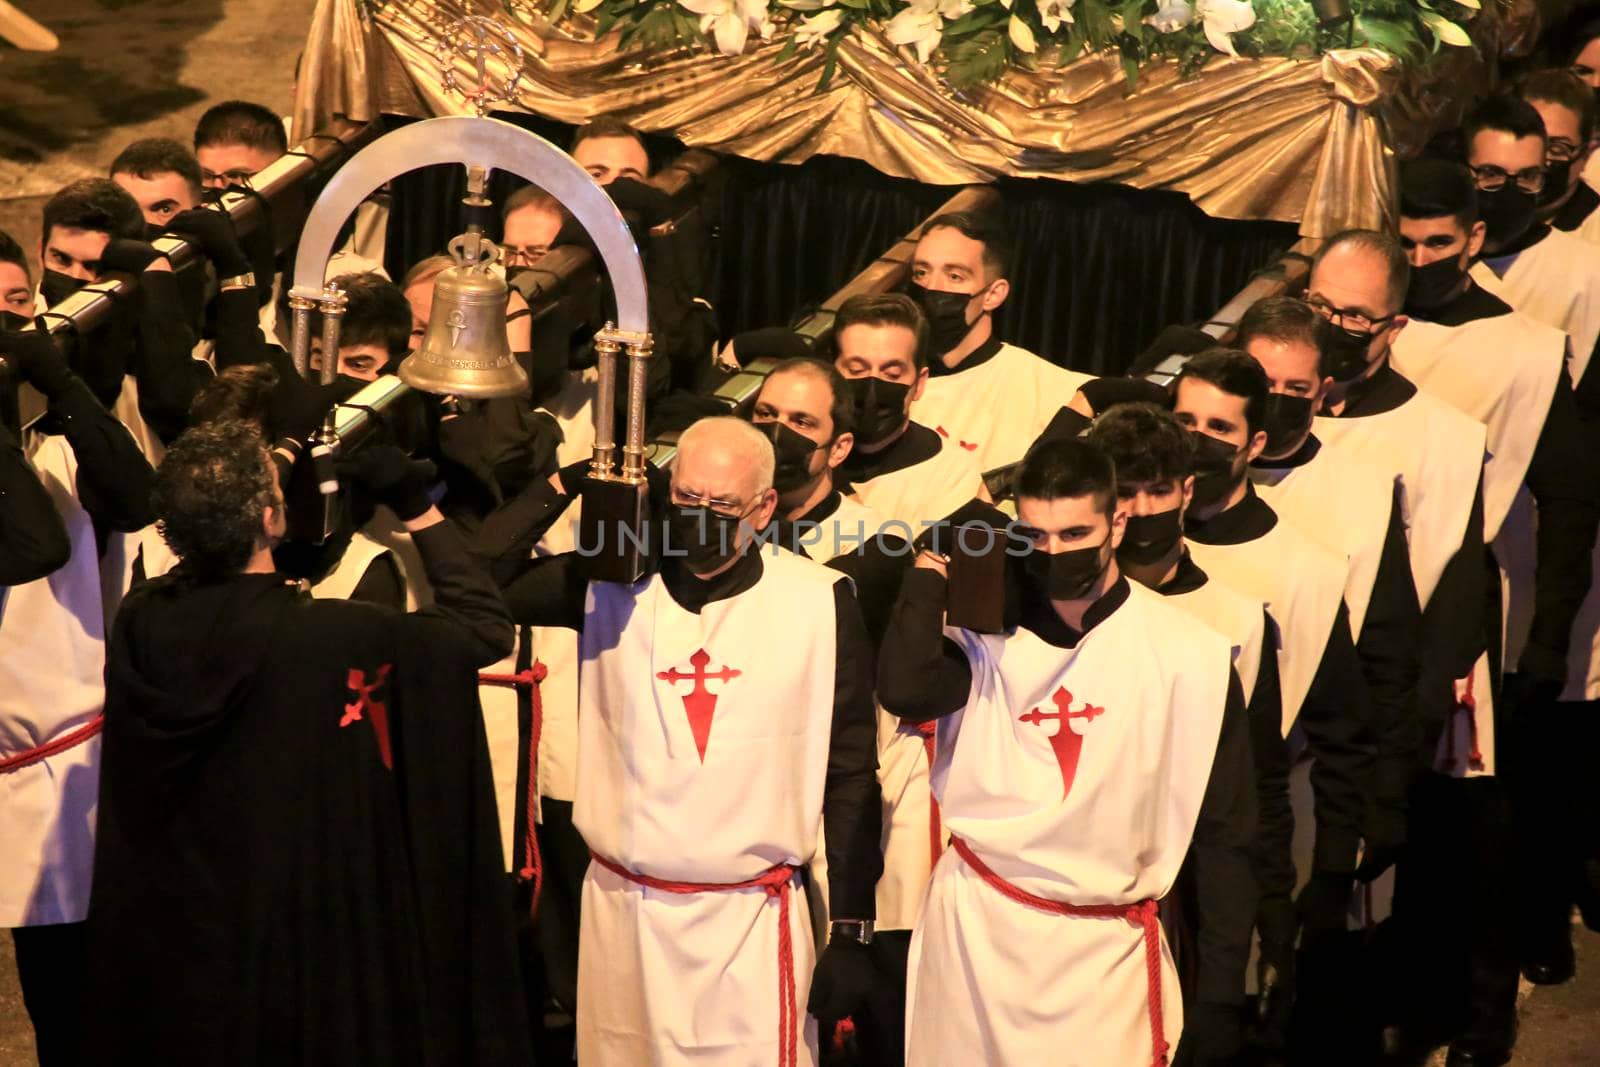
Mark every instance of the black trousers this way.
pixel 50 967
pixel 548 943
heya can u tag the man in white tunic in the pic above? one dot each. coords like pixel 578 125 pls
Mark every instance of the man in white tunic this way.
pixel 899 467
pixel 1080 754
pixel 52 687
pixel 725 711
pixel 992 399
pixel 1567 107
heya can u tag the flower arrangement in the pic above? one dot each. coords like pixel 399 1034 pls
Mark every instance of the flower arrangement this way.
pixel 971 42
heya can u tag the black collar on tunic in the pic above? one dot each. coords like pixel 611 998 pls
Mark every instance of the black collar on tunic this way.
pixel 1040 617
pixel 1536 233
pixel 1384 391
pixel 917 445
pixel 1309 449
pixel 1186 579
pixel 693 594
pixel 1246 521
pixel 1474 303
pixel 978 356
pixel 786 532
pixel 1579 206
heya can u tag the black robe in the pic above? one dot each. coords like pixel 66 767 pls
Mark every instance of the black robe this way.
pixel 287 870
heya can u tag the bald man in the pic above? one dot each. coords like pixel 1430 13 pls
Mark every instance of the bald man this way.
pixel 725 715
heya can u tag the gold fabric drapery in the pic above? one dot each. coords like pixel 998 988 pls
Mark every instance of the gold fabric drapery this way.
pixel 1292 140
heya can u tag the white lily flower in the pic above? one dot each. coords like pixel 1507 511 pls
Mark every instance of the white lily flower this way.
pixel 1171 16
pixel 920 24
pixel 583 7
pixel 1021 36
pixel 1222 18
pixel 729 22
pixel 801 5
pixel 1054 12
pixel 815 29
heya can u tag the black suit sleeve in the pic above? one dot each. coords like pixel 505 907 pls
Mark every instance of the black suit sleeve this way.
pixel 876 571
pixel 506 537
pixel 922 674
pixel 1337 721
pixel 1274 862
pixel 467 612
pixel 239 337
pixel 382 583
pixel 1224 880
pixel 1564 478
pixel 852 802
pixel 1390 651
pixel 33 539
pixel 114 478
pixel 1456 625
pixel 169 376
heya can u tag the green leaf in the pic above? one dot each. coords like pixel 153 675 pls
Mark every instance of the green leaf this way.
pixel 557 9
pixel 790 47
pixel 1444 30
pixel 830 62
pixel 859 5
pixel 978 59
pixel 1130 68
pixel 973 21
pixel 603 21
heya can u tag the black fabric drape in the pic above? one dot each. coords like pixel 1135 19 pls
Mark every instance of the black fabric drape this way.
pixel 1098 270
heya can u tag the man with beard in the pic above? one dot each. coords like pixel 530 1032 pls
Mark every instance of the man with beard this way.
pixel 1567 107
pixel 52 669
pixel 296 858
pixel 898 467
pixel 1547 273
pixel 699 794
pixel 1353 511
pixel 987 397
pixel 1540 516
pixel 1238 539
pixel 1039 939
pixel 1154 459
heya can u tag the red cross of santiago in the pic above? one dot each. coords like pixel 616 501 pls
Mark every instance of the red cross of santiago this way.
pixel 366 699
pixel 699 703
pixel 1066 743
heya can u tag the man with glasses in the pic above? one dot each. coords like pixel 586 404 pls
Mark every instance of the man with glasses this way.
pixel 533 220
pixel 1567 107
pixel 1551 275
pixel 725 714
pixel 235 140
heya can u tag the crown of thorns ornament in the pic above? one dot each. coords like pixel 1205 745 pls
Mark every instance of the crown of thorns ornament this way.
pixel 476 42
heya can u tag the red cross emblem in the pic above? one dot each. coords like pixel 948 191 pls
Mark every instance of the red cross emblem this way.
pixel 1065 742
pixel 699 703
pixel 970 446
pixel 366 700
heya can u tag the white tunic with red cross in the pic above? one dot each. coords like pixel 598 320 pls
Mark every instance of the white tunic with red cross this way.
pixel 999 408
pixel 1076 775
pixel 52 683
pixel 702 754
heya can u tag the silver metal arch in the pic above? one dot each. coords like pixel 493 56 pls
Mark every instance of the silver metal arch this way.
pixel 491 143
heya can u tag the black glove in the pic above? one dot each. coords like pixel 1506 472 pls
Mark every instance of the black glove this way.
pixel 651 206
pixel 1213 1034
pixel 572 476
pixel 392 478
pixel 843 980
pixel 128 256
pixel 1103 393
pixel 212 232
pixel 35 359
pixel 1379 852
pixel 1324 903
pixel 1275 921
pixel 1526 691
pixel 775 342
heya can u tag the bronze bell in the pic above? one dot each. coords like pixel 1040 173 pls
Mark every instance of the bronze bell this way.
pixel 465 352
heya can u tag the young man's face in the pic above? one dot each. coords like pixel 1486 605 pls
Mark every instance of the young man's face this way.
pixel 1155 497
pixel 16 290
pixel 1068 523
pixel 1291 366
pixel 609 158
pixel 1520 159
pixel 222 165
pixel 1430 240
pixel 887 352
pixel 1203 408
pixel 1587 65
pixel 160 196
pixel 1565 150
pixel 365 362
pixel 529 233
pixel 74 252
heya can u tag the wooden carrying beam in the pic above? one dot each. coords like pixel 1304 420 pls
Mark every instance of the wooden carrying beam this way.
pixel 739 388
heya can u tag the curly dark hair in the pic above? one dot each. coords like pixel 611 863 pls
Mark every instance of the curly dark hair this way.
pixel 243 392
pixel 1144 442
pixel 211 493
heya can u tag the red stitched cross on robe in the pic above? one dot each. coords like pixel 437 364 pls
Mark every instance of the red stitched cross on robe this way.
pixel 366 700
pixel 699 703
pixel 1066 743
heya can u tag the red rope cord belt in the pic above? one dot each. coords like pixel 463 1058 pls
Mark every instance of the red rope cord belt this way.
pixel 1143 914
pixel 929 730
pixel 532 863
pixel 776 881
pixel 28 757
pixel 1466 704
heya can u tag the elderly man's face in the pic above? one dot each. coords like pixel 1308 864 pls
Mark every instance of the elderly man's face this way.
pixel 716 476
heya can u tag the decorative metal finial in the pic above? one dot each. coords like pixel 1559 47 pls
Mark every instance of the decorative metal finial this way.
pixel 475 41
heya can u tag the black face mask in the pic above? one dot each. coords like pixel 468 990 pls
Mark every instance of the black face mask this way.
pixel 11 322
pixel 1150 538
pixel 703 539
pixel 1344 357
pixel 1507 212
pixel 792 452
pixel 1214 476
pixel 880 407
pixel 1435 284
pixel 56 287
pixel 1287 418
pixel 1067 575
pixel 946 314
pixel 1556 175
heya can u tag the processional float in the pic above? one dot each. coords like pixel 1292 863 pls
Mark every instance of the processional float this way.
pixel 464 353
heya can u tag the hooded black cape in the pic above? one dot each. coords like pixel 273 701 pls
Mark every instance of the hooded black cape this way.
pixel 288 871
